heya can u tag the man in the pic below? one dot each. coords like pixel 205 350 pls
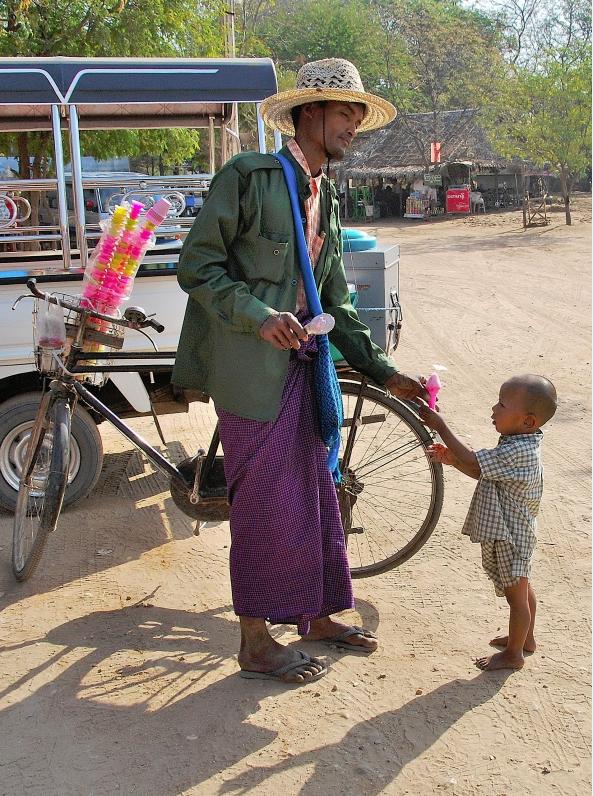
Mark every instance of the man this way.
pixel 243 342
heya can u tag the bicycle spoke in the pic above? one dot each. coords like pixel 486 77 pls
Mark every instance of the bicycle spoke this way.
pixel 390 480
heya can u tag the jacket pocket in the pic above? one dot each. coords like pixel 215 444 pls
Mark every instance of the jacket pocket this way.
pixel 270 260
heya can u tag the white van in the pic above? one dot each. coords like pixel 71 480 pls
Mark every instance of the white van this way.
pixel 63 96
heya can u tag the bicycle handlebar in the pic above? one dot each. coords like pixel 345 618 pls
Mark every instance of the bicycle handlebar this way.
pixel 139 320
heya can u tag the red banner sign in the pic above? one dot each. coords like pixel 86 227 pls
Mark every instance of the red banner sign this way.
pixel 458 200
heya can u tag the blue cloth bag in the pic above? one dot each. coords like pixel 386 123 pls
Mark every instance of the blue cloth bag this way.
pixel 327 387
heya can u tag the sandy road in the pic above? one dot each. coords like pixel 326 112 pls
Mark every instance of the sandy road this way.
pixel 117 668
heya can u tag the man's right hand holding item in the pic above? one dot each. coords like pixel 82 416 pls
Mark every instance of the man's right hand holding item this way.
pixel 283 331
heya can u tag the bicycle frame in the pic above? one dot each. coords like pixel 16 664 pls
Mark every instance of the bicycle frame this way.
pixel 73 368
pixel 158 459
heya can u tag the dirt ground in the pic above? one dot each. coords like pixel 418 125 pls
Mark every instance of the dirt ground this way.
pixel 117 668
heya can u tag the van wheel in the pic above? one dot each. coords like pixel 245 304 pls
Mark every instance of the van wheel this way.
pixel 17 416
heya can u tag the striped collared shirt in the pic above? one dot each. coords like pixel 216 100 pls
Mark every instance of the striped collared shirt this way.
pixel 312 214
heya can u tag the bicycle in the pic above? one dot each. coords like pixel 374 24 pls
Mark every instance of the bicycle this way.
pixel 390 496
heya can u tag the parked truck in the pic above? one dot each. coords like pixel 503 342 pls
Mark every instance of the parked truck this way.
pixel 61 97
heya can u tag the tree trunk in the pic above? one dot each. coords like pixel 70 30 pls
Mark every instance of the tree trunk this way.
pixel 24 164
pixel 35 197
pixel 565 188
pixel 25 174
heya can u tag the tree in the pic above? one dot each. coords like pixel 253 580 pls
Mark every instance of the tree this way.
pixel 452 59
pixel 545 116
pixel 314 29
pixel 251 16
pixel 542 110
pixel 141 28
pixel 453 53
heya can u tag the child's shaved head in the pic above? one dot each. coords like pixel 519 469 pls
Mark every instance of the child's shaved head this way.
pixel 539 395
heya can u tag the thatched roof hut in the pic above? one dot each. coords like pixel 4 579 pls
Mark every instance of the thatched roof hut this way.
pixel 402 148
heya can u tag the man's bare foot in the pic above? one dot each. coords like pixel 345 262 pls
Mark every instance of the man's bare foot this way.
pixel 275 657
pixel 502 641
pixel 327 629
pixel 500 660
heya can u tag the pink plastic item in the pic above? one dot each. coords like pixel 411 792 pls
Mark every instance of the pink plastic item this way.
pixel 433 386
pixel 157 213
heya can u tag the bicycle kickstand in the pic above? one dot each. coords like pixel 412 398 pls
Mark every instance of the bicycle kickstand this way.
pixel 194 497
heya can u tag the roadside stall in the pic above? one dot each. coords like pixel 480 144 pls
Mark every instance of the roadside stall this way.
pixel 423 201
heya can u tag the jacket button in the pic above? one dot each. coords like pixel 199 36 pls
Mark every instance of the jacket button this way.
pixel 276 251
pixel 293 282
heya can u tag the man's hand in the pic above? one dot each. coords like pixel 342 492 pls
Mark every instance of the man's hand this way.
pixel 406 387
pixel 440 453
pixel 283 331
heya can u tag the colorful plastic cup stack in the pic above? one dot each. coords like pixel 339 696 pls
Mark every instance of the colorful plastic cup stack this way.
pixel 109 276
pixel 143 239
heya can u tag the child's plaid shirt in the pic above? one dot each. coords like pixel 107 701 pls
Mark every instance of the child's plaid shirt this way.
pixel 507 497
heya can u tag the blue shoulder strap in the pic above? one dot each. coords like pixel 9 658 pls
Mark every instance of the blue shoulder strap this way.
pixel 304 259
pixel 327 388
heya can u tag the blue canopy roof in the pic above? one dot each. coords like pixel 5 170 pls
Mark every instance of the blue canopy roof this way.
pixel 127 92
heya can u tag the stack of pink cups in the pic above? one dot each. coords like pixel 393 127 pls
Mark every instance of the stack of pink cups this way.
pixel 109 275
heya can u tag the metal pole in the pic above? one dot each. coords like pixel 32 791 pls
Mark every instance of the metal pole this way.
pixel 223 144
pixel 62 202
pixel 261 130
pixel 212 144
pixel 77 185
pixel 277 140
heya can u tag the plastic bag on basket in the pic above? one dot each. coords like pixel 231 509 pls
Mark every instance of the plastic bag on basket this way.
pixel 51 329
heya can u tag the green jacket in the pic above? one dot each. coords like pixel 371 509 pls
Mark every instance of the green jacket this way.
pixel 239 264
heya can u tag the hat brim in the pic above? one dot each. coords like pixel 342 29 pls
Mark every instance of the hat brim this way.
pixel 275 110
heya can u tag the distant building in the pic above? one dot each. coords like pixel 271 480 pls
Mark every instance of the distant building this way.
pixel 400 155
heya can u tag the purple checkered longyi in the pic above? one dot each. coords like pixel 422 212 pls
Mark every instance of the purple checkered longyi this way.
pixel 288 560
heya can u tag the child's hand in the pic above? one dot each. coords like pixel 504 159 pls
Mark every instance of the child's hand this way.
pixel 439 453
pixel 430 418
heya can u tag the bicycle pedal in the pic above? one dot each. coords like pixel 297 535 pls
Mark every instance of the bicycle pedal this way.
pixel 356 530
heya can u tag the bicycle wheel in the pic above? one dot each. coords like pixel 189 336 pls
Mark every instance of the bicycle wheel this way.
pixel 391 494
pixel 42 484
pixel 17 418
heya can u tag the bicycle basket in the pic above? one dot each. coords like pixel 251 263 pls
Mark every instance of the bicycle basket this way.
pixel 97 332
pixel 98 336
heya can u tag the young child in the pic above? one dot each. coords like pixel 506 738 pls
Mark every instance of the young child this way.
pixel 506 501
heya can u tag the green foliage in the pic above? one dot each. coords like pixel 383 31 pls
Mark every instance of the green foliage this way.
pixel 453 53
pixel 103 28
pixel 171 146
pixel 545 116
pixel 110 28
pixel 313 29
pixel 423 55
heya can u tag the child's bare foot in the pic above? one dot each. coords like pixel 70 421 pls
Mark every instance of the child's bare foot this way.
pixel 500 660
pixel 502 641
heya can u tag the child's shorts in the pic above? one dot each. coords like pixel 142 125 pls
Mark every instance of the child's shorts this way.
pixel 503 566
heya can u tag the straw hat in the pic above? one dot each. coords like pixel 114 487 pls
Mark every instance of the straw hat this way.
pixel 330 79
